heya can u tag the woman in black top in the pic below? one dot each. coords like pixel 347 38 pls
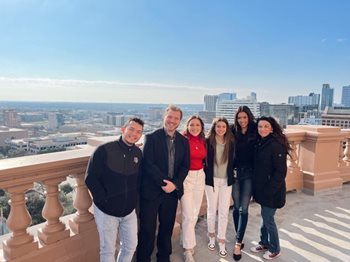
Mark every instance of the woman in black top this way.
pixel 269 182
pixel 245 133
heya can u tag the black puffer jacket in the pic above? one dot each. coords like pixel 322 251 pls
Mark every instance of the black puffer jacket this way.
pixel 270 173
pixel 112 177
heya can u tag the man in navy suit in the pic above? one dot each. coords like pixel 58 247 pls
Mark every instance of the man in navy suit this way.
pixel 165 167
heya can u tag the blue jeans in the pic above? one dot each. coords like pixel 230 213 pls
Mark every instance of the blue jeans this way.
pixel 268 230
pixel 108 227
pixel 241 194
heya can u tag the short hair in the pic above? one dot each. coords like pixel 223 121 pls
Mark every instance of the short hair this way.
pixel 136 120
pixel 175 108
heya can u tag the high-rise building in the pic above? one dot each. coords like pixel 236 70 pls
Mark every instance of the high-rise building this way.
pixel 283 113
pixel 253 95
pixel 155 113
pixel 227 96
pixel 327 96
pixel 210 102
pixel 228 108
pixel 10 118
pixel 345 96
pixel 115 119
pixel 52 119
pixel 207 116
pixel 55 120
pixel 311 100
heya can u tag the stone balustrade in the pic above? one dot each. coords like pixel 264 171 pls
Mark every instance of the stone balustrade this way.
pixel 319 162
pixel 76 242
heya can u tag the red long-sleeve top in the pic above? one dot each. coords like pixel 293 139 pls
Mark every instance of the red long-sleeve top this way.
pixel 198 152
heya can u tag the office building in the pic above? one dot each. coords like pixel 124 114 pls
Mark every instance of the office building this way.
pixel 55 142
pixel 285 114
pixel 55 120
pixel 207 116
pixel 300 101
pixel 227 96
pixel 10 118
pixel 253 95
pixel 6 134
pixel 116 119
pixel 210 102
pixel 336 116
pixel 326 97
pixel 155 113
pixel 228 108
pixel 345 96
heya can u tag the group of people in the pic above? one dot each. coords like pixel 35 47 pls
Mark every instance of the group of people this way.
pixel 245 160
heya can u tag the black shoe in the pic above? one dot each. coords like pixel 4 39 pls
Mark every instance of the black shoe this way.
pixel 239 256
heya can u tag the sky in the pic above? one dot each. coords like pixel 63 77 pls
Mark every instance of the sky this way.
pixel 163 51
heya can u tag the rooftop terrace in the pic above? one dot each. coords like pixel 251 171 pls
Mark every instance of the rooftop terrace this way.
pixel 314 225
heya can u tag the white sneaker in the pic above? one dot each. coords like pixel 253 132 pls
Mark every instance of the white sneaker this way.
pixel 269 256
pixel 222 250
pixel 211 244
pixel 188 255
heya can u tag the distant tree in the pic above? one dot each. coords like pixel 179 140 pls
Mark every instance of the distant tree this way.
pixel 2 192
pixel 35 203
pixel 4 150
pixel 67 203
pixel 4 203
pixel 66 188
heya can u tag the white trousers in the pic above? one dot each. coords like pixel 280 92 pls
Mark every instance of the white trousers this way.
pixel 218 199
pixel 191 202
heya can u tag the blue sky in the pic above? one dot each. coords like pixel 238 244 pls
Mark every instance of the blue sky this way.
pixel 165 51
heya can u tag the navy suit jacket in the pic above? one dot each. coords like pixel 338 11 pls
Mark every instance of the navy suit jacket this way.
pixel 155 164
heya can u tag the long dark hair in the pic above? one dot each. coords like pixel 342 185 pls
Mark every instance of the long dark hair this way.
pixel 186 132
pixel 277 132
pixel 252 130
pixel 228 138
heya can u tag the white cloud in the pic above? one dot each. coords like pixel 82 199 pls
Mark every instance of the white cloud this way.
pixel 340 40
pixel 47 89
pixel 323 40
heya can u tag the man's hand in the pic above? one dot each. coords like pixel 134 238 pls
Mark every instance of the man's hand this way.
pixel 170 187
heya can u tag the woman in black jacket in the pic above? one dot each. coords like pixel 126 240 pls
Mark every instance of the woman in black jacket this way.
pixel 269 182
pixel 245 133
pixel 219 180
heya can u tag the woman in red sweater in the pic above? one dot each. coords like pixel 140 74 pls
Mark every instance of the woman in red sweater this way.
pixel 194 184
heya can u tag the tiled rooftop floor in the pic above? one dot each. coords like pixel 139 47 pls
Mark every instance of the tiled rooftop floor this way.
pixel 311 228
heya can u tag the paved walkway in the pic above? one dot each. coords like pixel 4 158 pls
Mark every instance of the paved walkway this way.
pixel 311 228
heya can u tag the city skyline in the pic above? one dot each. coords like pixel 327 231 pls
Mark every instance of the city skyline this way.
pixel 161 52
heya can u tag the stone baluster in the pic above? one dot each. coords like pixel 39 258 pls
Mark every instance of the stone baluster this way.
pixel 294 174
pixel 341 162
pixel 54 229
pixel 293 156
pixel 21 242
pixel 84 219
pixel 347 151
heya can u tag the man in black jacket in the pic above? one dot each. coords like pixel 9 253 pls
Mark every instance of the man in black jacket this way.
pixel 112 178
pixel 165 167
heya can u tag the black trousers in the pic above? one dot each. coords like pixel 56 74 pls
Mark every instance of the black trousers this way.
pixel 164 207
